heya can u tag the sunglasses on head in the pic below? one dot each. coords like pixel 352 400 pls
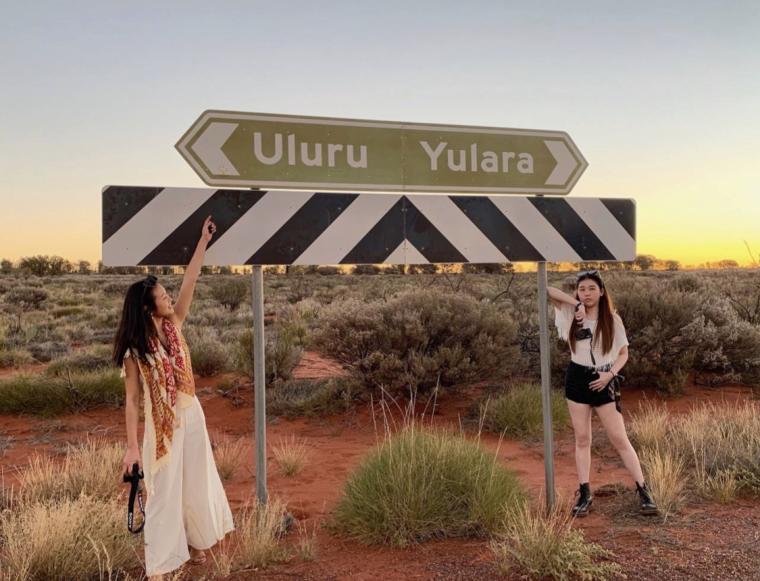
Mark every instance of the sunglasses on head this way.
pixel 594 274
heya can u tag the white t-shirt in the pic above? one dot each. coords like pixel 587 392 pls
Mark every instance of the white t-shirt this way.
pixel 564 318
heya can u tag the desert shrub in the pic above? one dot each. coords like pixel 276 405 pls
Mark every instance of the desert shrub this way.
pixel 727 348
pixel 518 412
pixel 545 546
pixel 661 352
pixel 44 395
pixel 419 339
pixel 66 539
pixel 328 270
pixel 26 297
pixel 231 291
pixel 421 484
pixel 209 356
pixel 282 354
pixel 15 358
pixel 366 269
pixel 309 397
pixel 689 283
pixel 94 358
pixel 49 350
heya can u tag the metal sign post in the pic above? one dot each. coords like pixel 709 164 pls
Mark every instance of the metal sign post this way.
pixel 546 393
pixel 259 382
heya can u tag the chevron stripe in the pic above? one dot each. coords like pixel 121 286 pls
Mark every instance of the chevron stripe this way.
pixel 148 228
pixel 446 216
pixel 162 225
pixel 256 227
pixel 226 206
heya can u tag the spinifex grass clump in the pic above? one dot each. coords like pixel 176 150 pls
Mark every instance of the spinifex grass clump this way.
pixel 545 546
pixel 717 445
pixel 44 395
pixel 518 412
pixel 423 483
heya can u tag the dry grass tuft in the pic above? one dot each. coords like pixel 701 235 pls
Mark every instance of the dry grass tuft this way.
pixel 545 545
pixel 291 455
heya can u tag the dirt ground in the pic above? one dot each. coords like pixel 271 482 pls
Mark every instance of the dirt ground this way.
pixel 704 541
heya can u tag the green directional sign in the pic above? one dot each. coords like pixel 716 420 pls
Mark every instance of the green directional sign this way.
pixel 260 150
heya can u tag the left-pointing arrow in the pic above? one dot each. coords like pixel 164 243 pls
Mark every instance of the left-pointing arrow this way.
pixel 208 147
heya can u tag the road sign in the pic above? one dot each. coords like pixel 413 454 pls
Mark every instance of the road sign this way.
pixel 159 226
pixel 282 151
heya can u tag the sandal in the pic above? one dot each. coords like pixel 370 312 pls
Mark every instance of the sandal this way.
pixel 198 559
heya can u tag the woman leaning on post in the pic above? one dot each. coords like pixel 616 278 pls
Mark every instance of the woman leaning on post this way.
pixel 587 320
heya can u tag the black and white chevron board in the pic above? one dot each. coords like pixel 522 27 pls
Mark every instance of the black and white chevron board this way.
pixel 161 226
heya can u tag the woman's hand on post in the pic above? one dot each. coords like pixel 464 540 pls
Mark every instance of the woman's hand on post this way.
pixel 131 456
pixel 604 378
pixel 209 228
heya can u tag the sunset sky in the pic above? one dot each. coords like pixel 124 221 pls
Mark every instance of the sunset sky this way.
pixel 662 98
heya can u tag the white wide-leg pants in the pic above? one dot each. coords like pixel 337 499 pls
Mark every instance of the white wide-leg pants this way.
pixel 189 505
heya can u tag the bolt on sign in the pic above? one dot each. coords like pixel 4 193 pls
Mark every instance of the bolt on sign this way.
pixel 257 150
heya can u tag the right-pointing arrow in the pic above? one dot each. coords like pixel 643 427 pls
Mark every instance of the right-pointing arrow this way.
pixel 208 147
pixel 566 163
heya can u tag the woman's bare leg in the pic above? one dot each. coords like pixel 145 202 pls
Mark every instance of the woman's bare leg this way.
pixel 580 414
pixel 612 420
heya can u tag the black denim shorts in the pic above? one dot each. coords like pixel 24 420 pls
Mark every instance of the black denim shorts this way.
pixel 577 379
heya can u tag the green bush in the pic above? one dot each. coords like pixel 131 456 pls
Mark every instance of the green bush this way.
pixel 231 291
pixel 662 352
pixel 281 354
pixel 15 358
pixel 26 297
pixel 49 350
pixel 94 358
pixel 44 395
pixel 422 484
pixel 309 397
pixel 209 356
pixel 518 412
pixel 419 339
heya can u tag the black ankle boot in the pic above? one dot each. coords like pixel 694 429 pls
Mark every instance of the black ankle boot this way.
pixel 585 498
pixel 648 506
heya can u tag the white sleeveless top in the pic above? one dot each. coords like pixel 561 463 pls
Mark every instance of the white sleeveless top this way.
pixel 564 318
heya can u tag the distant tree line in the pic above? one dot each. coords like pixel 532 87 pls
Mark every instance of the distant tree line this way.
pixel 43 265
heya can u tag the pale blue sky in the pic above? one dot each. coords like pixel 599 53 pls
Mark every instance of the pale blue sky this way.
pixel 661 98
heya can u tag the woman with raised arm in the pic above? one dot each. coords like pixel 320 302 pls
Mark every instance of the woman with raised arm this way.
pixel 187 510
pixel 599 350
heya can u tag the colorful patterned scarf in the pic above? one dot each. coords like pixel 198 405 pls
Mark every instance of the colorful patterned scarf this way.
pixel 165 371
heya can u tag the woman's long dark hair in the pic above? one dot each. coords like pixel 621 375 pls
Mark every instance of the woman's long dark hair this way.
pixel 136 327
pixel 605 324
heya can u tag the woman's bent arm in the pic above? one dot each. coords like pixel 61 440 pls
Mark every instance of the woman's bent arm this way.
pixel 557 296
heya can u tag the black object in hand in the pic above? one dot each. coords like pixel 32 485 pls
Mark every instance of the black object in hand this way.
pixel 135 491
pixel 135 474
